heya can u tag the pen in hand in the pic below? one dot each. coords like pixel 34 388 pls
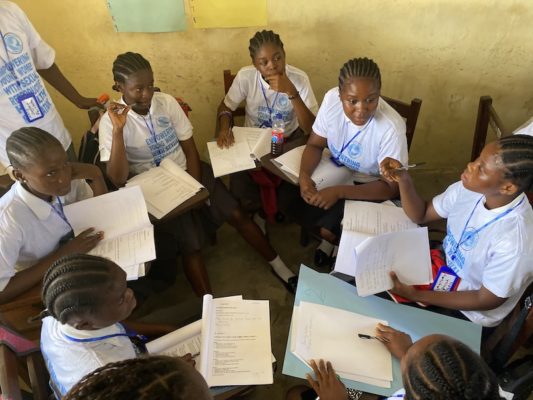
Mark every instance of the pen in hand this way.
pixel 409 166
pixel 368 337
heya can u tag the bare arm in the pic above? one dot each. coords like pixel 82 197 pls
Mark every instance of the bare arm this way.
pixel 93 174
pixel 55 77
pixel 310 159
pixel 193 159
pixel 118 167
pixel 223 126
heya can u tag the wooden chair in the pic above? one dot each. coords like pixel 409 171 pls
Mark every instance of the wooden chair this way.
pixel 5 183
pixel 486 116
pixel 21 360
pixel 408 111
pixel 18 313
pixel 228 80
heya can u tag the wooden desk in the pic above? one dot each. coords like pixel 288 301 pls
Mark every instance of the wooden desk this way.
pixel 5 183
pixel 15 314
pixel 266 161
pixel 195 201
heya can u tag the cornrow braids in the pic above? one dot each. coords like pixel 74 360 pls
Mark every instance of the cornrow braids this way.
pixel 449 370
pixel 359 68
pixel 75 285
pixel 26 144
pixel 126 64
pixel 153 378
pixel 516 152
pixel 261 38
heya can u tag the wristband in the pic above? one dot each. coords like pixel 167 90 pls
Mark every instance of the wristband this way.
pixel 225 112
pixel 294 96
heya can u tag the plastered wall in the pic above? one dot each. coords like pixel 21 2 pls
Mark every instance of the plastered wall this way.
pixel 445 52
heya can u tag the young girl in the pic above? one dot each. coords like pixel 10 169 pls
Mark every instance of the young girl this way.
pixel 85 298
pixel 144 128
pixel 271 89
pixel 34 230
pixel 361 130
pixel 489 241
pixel 149 378
pixel 435 367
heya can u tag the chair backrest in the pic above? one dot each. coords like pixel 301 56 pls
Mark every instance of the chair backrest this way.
pixel 486 116
pixel 410 112
pixel 228 80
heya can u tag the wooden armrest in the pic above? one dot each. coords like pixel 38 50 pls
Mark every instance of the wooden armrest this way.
pixel 31 297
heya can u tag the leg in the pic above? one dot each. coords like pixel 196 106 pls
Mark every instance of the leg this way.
pixel 194 267
pixel 300 392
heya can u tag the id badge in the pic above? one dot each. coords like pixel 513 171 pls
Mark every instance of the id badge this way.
pixel 30 106
pixel 446 280
pixel 336 161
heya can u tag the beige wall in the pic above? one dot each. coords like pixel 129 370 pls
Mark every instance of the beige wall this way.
pixel 446 52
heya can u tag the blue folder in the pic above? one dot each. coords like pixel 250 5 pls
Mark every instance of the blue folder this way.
pixel 325 289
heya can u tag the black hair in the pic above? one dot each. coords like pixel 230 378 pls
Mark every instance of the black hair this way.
pixel 153 378
pixel 76 285
pixel 261 38
pixel 449 370
pixel 126 64
pixel 26 144
pixel 359 68
pixel 516 152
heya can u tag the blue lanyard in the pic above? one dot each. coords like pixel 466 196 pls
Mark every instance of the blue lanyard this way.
pixel 9 64
pixel 270 109
pixel 58 208
pixel 476 231
pixel 353 137
pixel 128 334
pixel 151 129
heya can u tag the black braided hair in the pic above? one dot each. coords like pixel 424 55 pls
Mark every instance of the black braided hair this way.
pixel 516 152
pixel 27 144
pixel 449 370
pixel 148 378
pixel 261 38
pixel 359 68
pixel 126 64
pixel 76 285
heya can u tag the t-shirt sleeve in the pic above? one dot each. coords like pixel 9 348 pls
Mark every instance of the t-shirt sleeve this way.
pixel 181 123
pixel 105 137
pixel 42 54
pixel 83 190
pixel 394 145
pixel 10 240
pixel 237 93
pixel 444 202
pixel 308 96
pixel 320 126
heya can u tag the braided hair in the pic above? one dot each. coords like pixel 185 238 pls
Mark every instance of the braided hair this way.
pixel 516 152
pixel 126 64
pixel 359 68
pixel 449 370
pixel 153 378
pixel 26 144
pixel 261 38
pixel 76 285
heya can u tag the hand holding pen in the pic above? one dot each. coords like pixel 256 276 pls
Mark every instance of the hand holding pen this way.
pixel 393 170
pixel 397 342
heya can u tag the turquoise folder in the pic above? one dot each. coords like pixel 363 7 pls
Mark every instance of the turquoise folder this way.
pixel 325 289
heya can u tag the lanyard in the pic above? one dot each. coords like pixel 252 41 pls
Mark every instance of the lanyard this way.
pixel 476 231
pixel 150 126
pixel 353 137
pixel 138 340
pixel 9 64
pixel 270 109
pixel 58 209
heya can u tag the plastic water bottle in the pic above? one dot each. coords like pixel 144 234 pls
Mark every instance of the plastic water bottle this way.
pixel 278 137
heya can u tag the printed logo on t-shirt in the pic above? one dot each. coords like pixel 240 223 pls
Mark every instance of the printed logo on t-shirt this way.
pixel 345 157
pixel 264 119
pixel 163 143
pixel 470 239
pixel 355 150
pixel 13 43
pixel 283 102
pixel 163 121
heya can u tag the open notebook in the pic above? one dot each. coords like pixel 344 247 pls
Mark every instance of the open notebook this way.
pixel 379 238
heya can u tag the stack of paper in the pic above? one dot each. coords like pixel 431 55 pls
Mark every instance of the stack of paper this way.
pixel 231 343
pixel 250 144
pixel 326 173
pixel 322 332
pixel 165 187
pixel 377 239
pixel 128 233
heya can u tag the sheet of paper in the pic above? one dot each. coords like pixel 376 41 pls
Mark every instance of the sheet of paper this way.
pixel 228 13
pixel 238 337
pixel 345 262
pixel 258 139
pixel 178 343
pixel 228 160
pixel 324 332
pixel 374 218
pixel 406 253
pixel 145 16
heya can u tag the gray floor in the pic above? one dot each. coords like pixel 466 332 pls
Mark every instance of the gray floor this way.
pixel 234 268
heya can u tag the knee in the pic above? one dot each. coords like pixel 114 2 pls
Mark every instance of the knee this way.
pixel 328 235
pixel 238 217
pixel 295 392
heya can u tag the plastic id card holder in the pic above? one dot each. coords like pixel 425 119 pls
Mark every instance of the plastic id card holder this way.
pixel 446 280
pixel 30 106
pixel 336 161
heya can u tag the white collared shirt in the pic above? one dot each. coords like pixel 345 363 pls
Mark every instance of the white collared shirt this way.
pixel 30 229
pixel 70 354
pixel 525 129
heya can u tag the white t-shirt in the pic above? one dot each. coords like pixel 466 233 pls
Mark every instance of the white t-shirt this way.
pixel 150 137
pixel 70 354
pixel 22 53
pixel 30 229
pixel 498 257
pixel 400 394
pixel 262 103
pixel 525 129
pixel 383 136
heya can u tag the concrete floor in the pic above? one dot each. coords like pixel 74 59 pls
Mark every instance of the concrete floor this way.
pixel 234 268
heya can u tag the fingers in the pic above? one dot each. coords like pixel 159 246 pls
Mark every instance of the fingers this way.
pixel 118 109
pixel 225 139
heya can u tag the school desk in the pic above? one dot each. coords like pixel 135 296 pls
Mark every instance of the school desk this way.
pixel 15 313
pixel 325 289
pixel 195 201
pixel 266 162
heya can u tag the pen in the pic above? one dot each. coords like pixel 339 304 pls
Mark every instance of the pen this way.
pixel 364 336
pixel 409 166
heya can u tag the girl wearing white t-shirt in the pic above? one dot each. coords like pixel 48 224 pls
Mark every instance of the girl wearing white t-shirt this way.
pixel 489 241
pixel 360 129
pixel 271 89
pixel 34 231
pixel 144 128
